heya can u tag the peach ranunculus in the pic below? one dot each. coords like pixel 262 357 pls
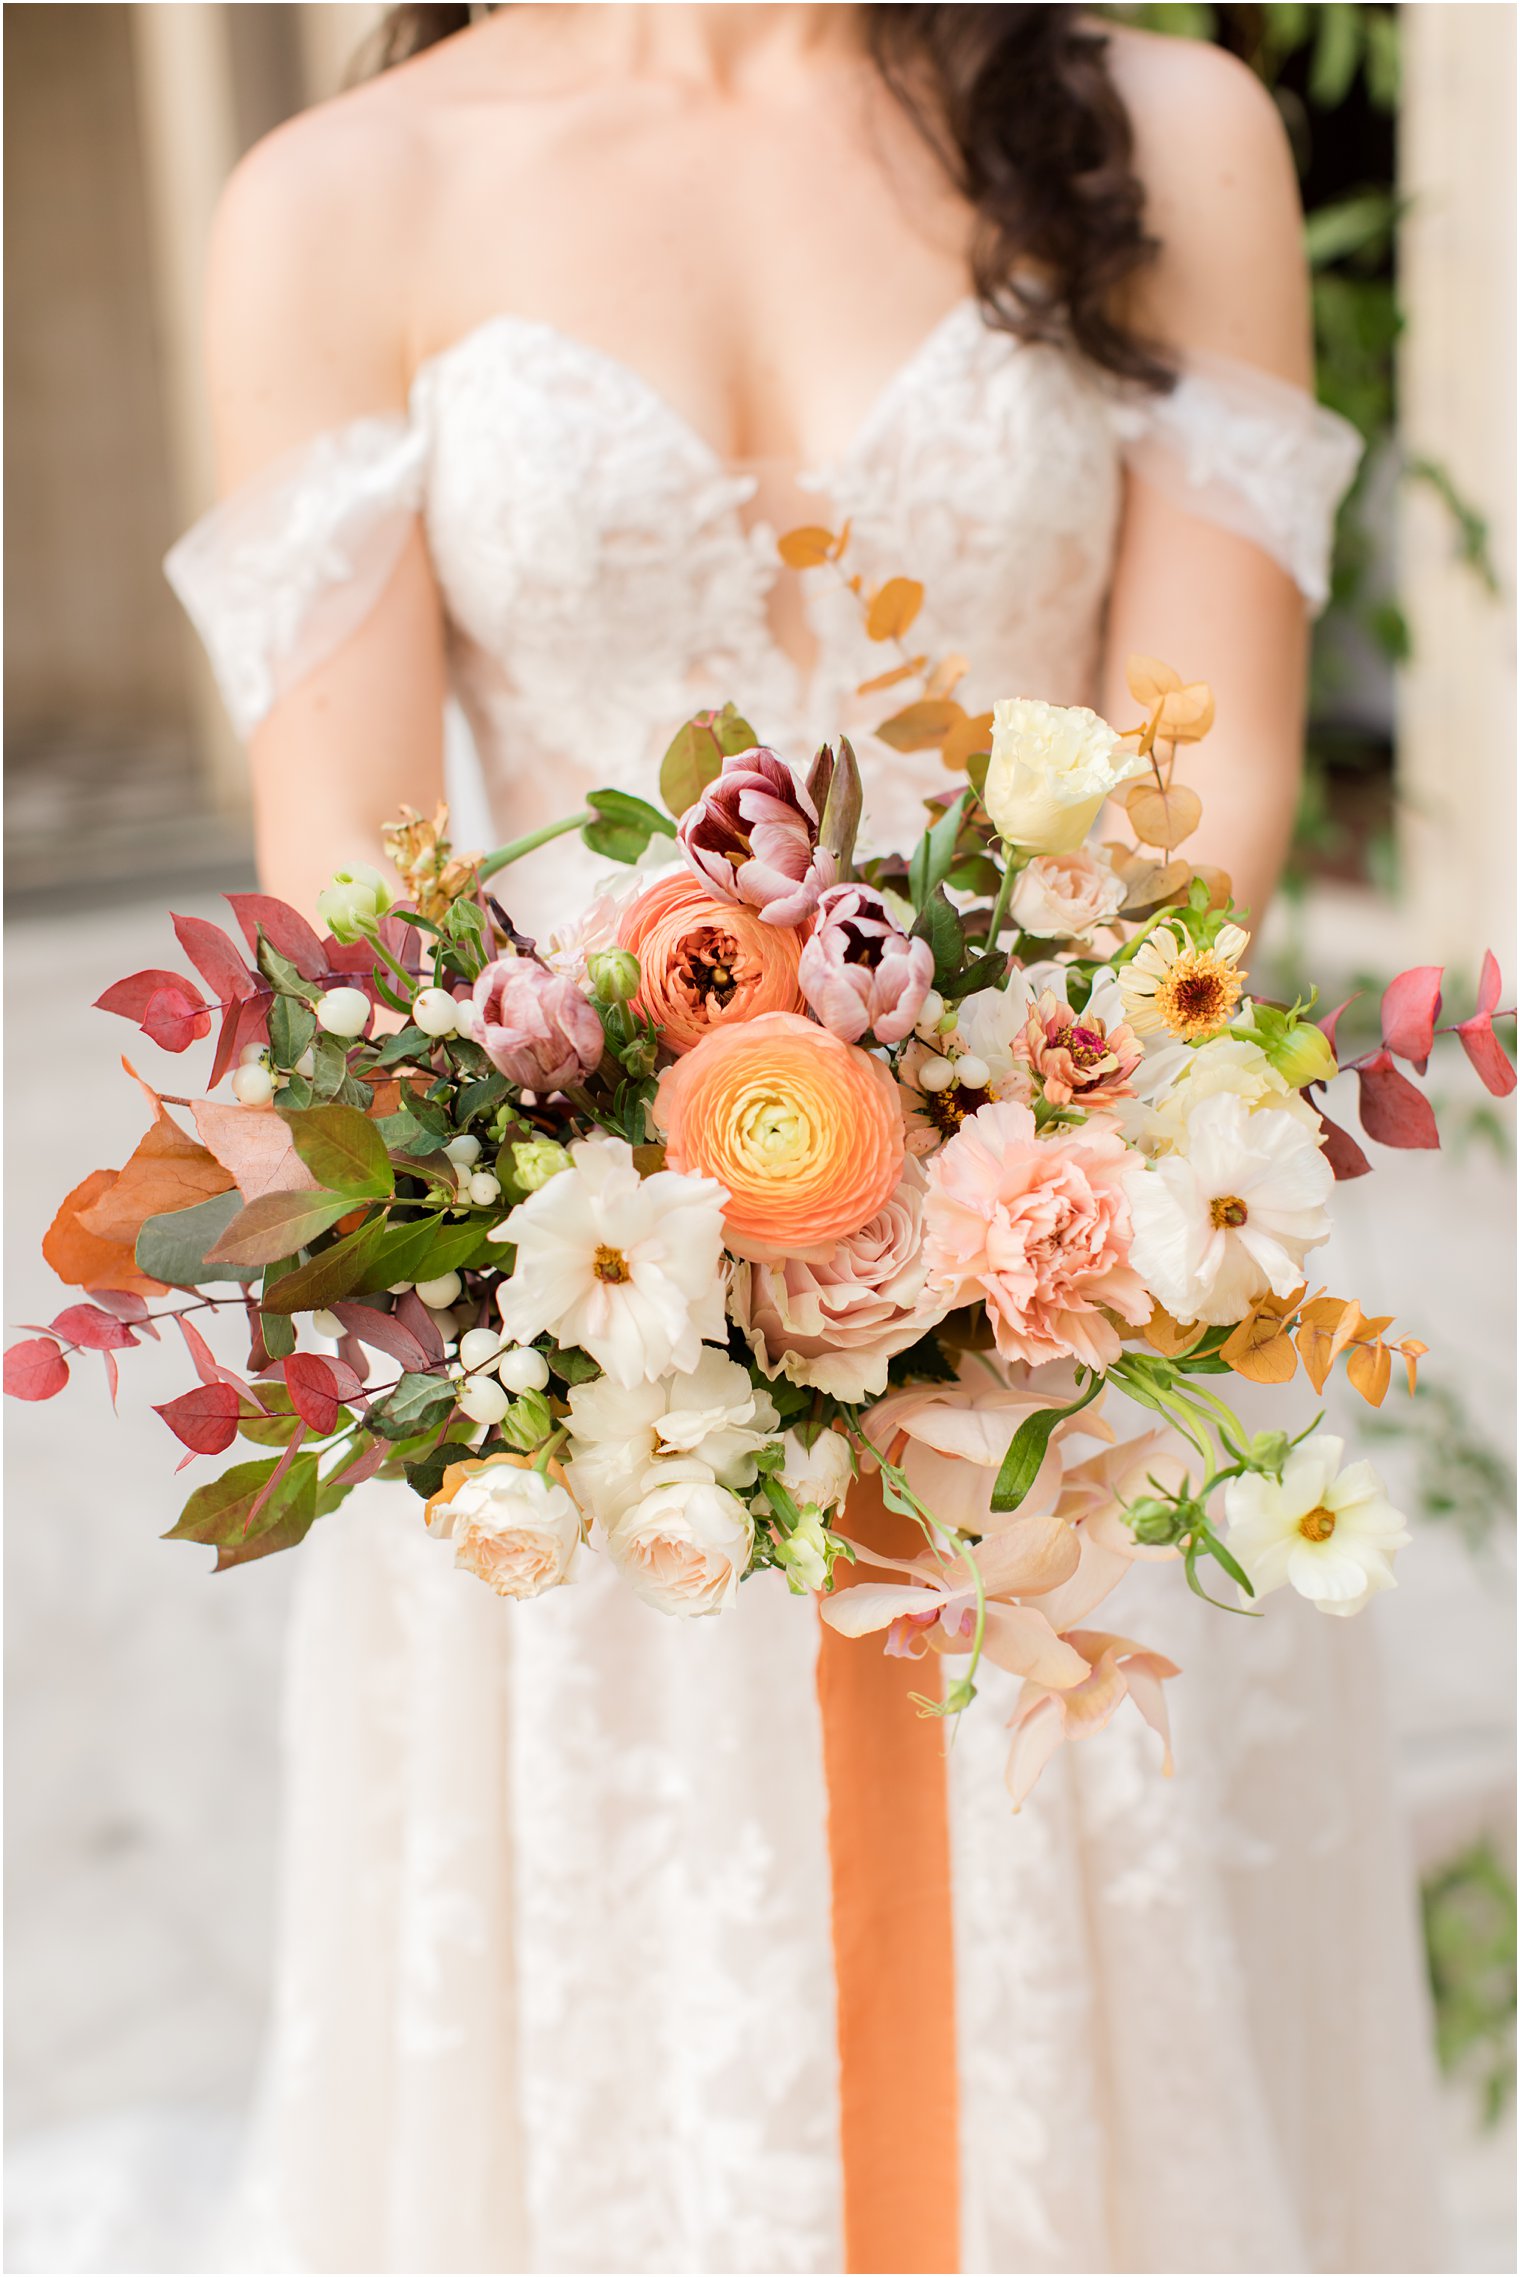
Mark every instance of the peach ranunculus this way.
pixel 1040 1228
pixel 804 1132
pixel 835 1322
pixel 704 961
pixel 1066 897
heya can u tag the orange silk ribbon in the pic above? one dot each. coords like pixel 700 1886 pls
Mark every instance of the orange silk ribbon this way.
pixel 889 1851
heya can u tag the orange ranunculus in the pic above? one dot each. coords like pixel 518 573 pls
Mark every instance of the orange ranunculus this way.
pixel 705 963
pixel 803 1131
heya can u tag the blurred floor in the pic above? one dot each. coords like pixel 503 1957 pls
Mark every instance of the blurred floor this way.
pixel 142 1695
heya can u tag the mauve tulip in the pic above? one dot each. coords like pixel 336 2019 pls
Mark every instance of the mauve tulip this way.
pixel 860 970
pixel 753 836
pixel 534 1025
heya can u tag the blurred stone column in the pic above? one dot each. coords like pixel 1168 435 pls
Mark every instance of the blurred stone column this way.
pixel 188 127
pixel 1456 707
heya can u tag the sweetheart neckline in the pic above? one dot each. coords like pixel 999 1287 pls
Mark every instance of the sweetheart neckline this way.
pixel 645 391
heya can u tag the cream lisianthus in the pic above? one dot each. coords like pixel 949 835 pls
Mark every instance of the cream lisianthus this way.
pixel 513 1528
pixel 621 1434
pixel 1234 1215
pixel 1329 1533
pixel 1177 1078
pixel 1052 766
pixel 684 1546
pixel 1171 986
pixel 628 1268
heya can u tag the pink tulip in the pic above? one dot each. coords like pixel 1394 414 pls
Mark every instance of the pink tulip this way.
pixel 535 1026
pixel 753 836
pixel 860 970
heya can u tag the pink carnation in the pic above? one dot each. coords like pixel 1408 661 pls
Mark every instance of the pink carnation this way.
pixel 1040 1228
pixel 860 970
pixel 535 1026
pixel 753 836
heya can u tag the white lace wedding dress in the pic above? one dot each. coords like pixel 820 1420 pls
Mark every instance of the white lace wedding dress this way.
pixel 554 1978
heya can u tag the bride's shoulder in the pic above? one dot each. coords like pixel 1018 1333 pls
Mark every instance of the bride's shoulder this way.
pixel 1221 199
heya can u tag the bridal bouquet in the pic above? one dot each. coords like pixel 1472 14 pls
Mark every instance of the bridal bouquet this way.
pixel 774 1164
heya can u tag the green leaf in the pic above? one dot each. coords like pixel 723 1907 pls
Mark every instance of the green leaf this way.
pixel 334 1273
pixel 276 1428
pixel 1026 1449
pixel 426 1249
pixel 406 1043
pixel 1348 226
pixel 938 924
pixel 416 1402
pixel 926 1362
pixel 218 1510
pixel 217 1513
pixel 696 755
pixel 933 857
pixel 480 1097
pixel 426 1477
pixel 282 975
pixel 1337 52
pixel 278 1333
pixel 343 1151
pixel 983 972
pixel 292 1029
pixel 571 1364
pixel 331 1056
pixel 275 1226
pixel 173 1247
pixel 622 826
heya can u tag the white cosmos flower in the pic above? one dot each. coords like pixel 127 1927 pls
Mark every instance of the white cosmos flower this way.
pixel 1232 1216
pixel 1329 1533
pixel 626 1267
pixel 684 1546
pixel 621 1437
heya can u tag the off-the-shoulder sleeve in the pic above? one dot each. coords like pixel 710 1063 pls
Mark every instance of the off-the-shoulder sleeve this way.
pixel 1247 450
pixel 279 574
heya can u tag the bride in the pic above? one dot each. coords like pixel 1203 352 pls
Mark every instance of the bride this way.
pixel 521 354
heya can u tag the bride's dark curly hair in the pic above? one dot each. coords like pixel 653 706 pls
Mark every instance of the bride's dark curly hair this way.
pixel 1018 105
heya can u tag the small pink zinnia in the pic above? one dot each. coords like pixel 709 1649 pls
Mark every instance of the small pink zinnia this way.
pixel 1040 1228
pixel 1075 1056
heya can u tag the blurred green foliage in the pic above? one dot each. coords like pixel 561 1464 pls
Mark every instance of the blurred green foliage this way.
pixel 1469 1911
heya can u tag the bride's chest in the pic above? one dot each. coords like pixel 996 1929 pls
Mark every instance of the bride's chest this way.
pixel 578 523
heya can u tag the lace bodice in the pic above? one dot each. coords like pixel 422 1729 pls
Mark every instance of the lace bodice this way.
pixel 605 573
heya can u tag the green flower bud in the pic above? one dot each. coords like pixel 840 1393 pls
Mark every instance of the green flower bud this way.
pixel 536 1161
pixel 527 1422
pixel 353 905
pixel 614 975
pixel 1269 1451
pixel 803 1554
pixel 1157 1523
pixel 1301 1054
pixel 639 1056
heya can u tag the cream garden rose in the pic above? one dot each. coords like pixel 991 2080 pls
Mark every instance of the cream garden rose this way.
pixel 684 1547
pixel 1052 767
pixel 511 1527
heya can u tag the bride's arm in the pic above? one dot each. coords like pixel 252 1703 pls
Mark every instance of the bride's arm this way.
pixel 305 334
pixel 1230 280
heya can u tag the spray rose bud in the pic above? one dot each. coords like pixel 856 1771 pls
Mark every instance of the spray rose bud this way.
pixel 536 1161
pixel 614 975
pixel 353 905
pixel 753 837
pixel 533 1025
pixel 860 970
pixel 527 1422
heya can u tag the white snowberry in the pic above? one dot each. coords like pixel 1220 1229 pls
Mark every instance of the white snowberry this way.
pixel 433 1011
pixel 485 1188
pixel 440 1294
pixel 250 1055
pixel 483 1400
pixel 478 1347
pixel 936 1075
pixel 523 1370
pixel 343 1012
pixel 971 1073
pixel 252 1086
pixel 464 1150
pixel 326 1323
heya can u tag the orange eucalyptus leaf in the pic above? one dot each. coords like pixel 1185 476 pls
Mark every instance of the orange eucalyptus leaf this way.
pixel 890 679
pixel 807 548
pixel 964 742
pixel 893 608
pixel 1163 817
pixel 1370 1367
pixel 1187 714
pixel 1325 1328
pixel 1149 680
pixel 922 725
pixel 1169 1337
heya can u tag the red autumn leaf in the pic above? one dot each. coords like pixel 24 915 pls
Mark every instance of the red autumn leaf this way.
pixel 207 1366
pixel 126 1305
pixel 1393 1111
pixel 1478 1040
pixel 168 1170
pixel 1411 1008
pixel 364 1465
pixel 113 1374
pixel 414 1314
pixel 1344 1156
pixel 176 1018
pixel 383 1332
pixel 132 996
pixel 313 1390
pixel 245 1022
pixel 283 927
pixel 214 957
pixel 347 1383
pixel 255 1146
pixel 97 1331
pixel 35 1369
pixel 275 1476
pixel 1328 1024
pixel 204 1420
